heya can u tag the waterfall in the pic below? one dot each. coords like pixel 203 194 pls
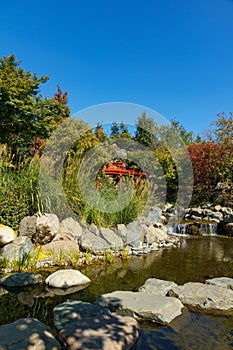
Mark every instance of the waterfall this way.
pixel 185 229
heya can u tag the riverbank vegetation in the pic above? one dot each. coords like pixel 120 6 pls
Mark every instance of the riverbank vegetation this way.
pixel 27 121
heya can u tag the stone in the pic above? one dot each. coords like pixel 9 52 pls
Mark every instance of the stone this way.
pixel 94 229
pixel 61 246
pixel 197 212
pixel 90 242
pixel 157 286
pixel 7 235
pixel 74 310
pixel 66 278
pixel 21 279
pixel 224 282
pixel 122 231
pixel 226 211
pixel 142 305
pixel 18 249
pixel 204 295
pixel 159 234
pixel 228 219
pixel 105 332
pixel 112 238
pixel 135 234
pixel 217 215
pixel 27 226
pixel 47 227
pixel 27 334
pixel 70 228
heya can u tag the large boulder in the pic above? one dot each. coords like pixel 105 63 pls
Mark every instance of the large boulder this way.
pixel 74 310
pixel 135 234
pixel 112 238
pixel 21 279
pixel 157 286
pixel 41 229
pixel 90 242
pixel 142 305
pixel 204 295
pixel 7 235
pixel 27 226
pixel 47 227
pixel 18 249
pixel 155 234
pixel 70 229
pixel 27 334
pixel 66 278
pixel 105 332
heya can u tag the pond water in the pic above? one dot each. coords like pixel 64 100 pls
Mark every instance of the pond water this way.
pixel 195 259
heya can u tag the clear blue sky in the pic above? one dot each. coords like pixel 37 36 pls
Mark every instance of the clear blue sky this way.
pixel 174 56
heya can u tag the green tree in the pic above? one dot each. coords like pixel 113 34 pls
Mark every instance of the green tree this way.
pixel 24 115
pixel 145 130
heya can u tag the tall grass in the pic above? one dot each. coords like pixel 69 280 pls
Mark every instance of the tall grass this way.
pixel 19 194
pixel 108 192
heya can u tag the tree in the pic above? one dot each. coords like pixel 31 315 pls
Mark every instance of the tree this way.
pixel 24 115
pixel 224 128
pixel 145 129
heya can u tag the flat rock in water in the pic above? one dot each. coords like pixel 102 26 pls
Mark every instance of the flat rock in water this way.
pixel 157 286
pixel 21 279
pixel 204 295
pixel 105 332
pixel 66 278
pixel 27 334
pixel 142 305
pixel 74 310
pixel 225 282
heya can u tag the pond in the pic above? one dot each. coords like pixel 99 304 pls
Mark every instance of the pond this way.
pixel 195 259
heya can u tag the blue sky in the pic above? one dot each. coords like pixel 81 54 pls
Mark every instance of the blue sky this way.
pixel 175 57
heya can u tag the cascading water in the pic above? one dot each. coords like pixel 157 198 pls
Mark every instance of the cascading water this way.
pixel 185 229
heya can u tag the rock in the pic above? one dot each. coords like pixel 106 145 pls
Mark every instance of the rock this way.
pixel 27 334
pixel 204 295
pixel 142 305
pixel 74 310
pixel 160 234
pixel 66 278
pixel 21 279
pixel 61 247
pixel 47 227
pixel 226 211
pixel 196 212
pixel 27 226
pixel 70 228
pixel 157 286
pixel 122 231
pixel 7 235
pixel 90 242
pixel 94 229
pixel 105 332
pixel 155 214
pixel 224 282
pixel 18 249
pixel 217 215
pixel 135 234
pixel 111 237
